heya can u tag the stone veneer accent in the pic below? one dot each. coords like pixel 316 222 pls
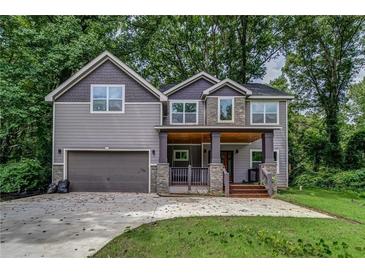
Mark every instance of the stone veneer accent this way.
pixel 57 173
pixel 153 179
pixel 162 182
pixel 216 178
pixel 239 112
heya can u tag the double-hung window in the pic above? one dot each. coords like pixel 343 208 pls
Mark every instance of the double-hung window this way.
pixel 225 109
pixel 256 158
pixel 264 113
pixel 184 113
pixel 107 98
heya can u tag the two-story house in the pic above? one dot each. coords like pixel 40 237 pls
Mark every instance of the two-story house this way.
pixel 114 131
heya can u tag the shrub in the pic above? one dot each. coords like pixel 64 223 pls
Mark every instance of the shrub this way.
pixel 352 180
pixel 25 175
pixel 355 151
pixel 318 179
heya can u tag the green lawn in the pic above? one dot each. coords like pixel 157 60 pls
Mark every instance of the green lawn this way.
pixel 253 236
pixel 345 204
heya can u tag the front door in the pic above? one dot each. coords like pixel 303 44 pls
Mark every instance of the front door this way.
pixel 227 161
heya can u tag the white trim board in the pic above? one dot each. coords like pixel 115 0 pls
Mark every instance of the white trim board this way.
pixel 66 150
pixel 230 83
pixel 190 80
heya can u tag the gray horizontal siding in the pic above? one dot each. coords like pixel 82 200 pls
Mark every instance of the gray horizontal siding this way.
pixel 76 127
pixel 108 73
pixel 201 113
pixel 192 91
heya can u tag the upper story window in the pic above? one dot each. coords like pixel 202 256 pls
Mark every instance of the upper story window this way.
pixel 184 112
pixel 264 112
pixel 107 98
pixel 225 109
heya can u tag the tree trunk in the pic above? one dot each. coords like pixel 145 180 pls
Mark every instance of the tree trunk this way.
pixel 243 42
pixel 334 155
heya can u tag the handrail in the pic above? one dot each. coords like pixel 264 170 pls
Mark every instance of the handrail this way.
pixel 267 179
pixel 226 182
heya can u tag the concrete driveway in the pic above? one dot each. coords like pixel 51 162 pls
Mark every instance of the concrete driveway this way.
pixel 78 224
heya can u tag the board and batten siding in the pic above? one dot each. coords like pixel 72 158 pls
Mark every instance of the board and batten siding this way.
pixel 107 73
pixel 76 127
pixel 192 91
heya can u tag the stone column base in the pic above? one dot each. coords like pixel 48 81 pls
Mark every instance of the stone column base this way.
pixel 57 173
pixel 162 178
pixel 215 178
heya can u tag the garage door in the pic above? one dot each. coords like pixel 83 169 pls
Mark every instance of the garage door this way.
pixel 108 171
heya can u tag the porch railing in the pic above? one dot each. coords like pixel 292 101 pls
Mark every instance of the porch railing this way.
pixel 190 176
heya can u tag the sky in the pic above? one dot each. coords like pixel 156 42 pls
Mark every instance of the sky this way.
pixel 273 70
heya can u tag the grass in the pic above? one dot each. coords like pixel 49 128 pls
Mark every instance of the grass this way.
pixel 349 205
pixel 253 236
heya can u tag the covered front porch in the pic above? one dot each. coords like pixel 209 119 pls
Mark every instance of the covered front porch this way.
pixel 209 160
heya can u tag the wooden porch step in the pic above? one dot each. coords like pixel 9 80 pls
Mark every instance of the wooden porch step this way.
pixel 244 186
pixel 250 195
pixel 248 191
pixel 253 190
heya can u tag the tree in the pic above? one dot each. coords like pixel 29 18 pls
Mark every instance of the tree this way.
pixel 323 56
pixel 355 150
pixel 173 48
pixel 37 54
pixel 356 103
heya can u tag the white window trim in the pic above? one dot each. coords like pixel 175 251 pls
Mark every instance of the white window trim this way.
pixel 277 158
pixel 107 98
pixel 181 150
pixel 183 102
pixel 219 109
pixel 263 102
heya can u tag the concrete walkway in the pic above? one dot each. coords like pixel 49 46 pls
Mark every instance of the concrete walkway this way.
pixel 78 224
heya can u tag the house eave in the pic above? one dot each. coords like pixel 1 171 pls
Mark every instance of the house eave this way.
pixel 217 128
pixel 190 80
pixel 227 82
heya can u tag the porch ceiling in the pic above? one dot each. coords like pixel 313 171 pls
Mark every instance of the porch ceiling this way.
pixel 204 137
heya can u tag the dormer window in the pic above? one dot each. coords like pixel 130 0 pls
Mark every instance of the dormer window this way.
pixel 184 112
pixel 107 98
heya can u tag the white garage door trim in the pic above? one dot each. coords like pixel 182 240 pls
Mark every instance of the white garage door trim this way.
pixel 66 150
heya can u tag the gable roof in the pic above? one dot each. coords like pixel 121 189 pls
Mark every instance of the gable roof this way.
pixel 190 80
pixel 263 90
pixel 227 82
pixel 95 63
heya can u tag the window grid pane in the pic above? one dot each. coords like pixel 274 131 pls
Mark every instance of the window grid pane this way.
pixel 264 113
pixel 108 98
pixel 184 113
